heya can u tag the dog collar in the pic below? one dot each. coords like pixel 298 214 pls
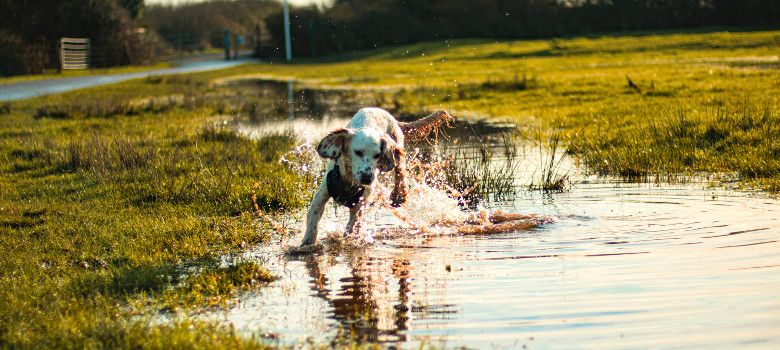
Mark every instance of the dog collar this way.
pixel 342 193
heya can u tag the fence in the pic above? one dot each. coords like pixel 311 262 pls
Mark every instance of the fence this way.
pixel 74 53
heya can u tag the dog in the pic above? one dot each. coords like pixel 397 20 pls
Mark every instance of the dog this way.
pixel 372 142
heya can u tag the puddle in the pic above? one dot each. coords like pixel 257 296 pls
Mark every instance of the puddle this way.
pixel 623 265
pixel 628 266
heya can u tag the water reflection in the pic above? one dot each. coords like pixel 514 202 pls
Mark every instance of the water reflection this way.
pixel 354 305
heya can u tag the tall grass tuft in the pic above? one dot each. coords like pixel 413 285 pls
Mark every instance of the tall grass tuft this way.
pixel 551 176
pixel 509 84
pixel 471 174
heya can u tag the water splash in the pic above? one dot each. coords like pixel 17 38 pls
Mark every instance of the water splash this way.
pixel 433 206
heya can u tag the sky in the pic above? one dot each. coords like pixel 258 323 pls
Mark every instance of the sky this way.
pixel 176 2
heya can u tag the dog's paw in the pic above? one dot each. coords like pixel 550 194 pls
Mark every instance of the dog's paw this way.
pixel 397 203
pixel 303 250
pixel 397 198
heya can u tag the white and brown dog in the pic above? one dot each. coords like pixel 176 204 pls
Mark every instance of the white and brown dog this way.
pixel 373 141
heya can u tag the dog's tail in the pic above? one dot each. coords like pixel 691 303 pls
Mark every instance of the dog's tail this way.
pixel 420 129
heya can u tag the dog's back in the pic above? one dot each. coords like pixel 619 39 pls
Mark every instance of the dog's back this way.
pixel 374 118
pixel 383 121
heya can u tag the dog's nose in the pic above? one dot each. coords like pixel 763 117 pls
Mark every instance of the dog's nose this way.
pixel 366 179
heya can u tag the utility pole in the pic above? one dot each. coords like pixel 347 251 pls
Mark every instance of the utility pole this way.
pixel 287 31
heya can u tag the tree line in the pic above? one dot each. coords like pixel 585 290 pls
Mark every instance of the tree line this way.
pixel 367 24
pixel 128 32
pixel 201 24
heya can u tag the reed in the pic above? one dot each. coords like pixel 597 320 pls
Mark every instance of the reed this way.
pixel 553 177
pixel 471 174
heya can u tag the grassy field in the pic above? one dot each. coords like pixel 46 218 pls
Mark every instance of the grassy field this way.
pixel 633 105
pixel 117 207
pixel 120 202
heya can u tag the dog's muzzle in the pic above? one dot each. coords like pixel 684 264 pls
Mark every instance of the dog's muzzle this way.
pixel 366 179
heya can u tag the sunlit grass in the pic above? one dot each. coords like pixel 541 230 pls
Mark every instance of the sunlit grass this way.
pixel 105 204
pixel 697 101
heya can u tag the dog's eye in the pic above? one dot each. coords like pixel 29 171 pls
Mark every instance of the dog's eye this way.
pixel 359 153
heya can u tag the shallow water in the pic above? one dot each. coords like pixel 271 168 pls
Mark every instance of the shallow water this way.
pixel 622 265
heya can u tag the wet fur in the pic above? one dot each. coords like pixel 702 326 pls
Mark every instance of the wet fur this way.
pixel 379 138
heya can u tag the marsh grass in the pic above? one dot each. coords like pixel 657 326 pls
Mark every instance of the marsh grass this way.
pixel 462 90
pixel 109 216
pixel 211 287
pixel 630 99
pixel 121 106
pixel 483 173
pixel 551 174
pixel 740 137
pixel 470 172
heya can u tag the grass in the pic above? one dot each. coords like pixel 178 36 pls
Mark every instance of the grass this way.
pixel 552 176
pixel 105 204
pixel 484 172
pixel 696 102
pixel 120 201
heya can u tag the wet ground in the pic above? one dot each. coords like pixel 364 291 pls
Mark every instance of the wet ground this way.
pixel 621 265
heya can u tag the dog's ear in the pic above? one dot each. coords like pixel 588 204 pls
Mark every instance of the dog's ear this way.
pixel 390 154
pixel 333 144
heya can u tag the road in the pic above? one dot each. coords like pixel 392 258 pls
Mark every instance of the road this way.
pixel 27 89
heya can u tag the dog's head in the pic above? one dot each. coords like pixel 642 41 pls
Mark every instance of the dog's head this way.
pixel 365 152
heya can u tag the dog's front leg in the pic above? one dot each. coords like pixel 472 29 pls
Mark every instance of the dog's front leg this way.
pixel 355 213
pixel 354 224
pixel 314 214
pixel 398 195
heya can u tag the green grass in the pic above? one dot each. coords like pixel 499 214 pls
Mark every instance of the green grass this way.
pixel 119 202
pixel 106 203
pixel 700 102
